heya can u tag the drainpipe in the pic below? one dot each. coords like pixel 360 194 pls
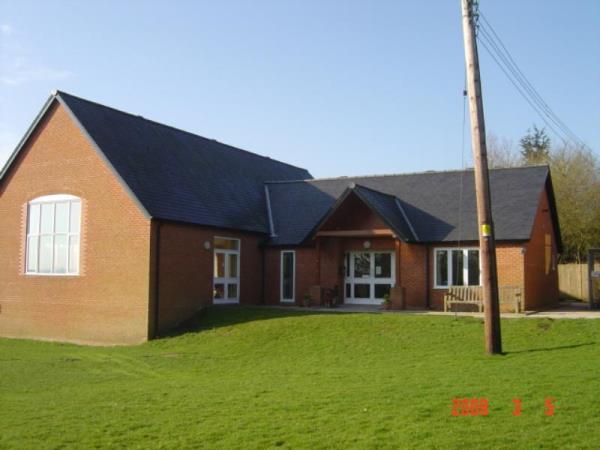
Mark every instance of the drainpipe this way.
pixel 263 281
pixel 427 274
pixel 156 280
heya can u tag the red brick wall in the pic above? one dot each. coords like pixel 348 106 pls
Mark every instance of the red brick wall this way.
pixel 108 301
pixel 306 273
pixel 509 259
pixel 413 274
pixel 307 265
pixel 541 275
pixel 186 269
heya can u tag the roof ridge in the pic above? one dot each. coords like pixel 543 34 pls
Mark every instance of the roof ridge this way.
pixel 409 223
pixel 397 201
pixel 426 172
pixel 137 116
pixel 374 190
pixel 376 209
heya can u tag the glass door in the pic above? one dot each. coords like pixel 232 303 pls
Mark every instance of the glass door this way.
pixel 226 285
pixel 369 277
pixel 288 276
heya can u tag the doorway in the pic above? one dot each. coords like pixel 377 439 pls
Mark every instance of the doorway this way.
pixel 226 284
pixel 369 276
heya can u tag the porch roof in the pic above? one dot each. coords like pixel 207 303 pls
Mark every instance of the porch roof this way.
pixel 386 206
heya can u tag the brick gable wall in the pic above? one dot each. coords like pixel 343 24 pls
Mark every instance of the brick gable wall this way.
pixel 540 260
pixel 108 301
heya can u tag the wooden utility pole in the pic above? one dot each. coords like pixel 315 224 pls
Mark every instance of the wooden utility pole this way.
pixel 487 244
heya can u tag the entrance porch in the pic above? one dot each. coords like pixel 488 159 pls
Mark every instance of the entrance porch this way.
pixel 358 269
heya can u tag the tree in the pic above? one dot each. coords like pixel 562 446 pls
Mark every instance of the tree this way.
pixel 501 152
pixel 576 180
pixel 535 146
pixel 575 172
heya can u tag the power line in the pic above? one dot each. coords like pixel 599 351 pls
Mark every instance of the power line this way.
pixel 519 89
pixel 523 88
pixel 528 90
pixel 532 89
pixel 500 54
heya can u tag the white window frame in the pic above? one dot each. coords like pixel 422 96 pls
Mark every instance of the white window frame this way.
pixel 449 250
pixel 54 200
pixel 281 299
pixel 226 281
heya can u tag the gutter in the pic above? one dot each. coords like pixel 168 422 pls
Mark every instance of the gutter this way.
pixel 263 251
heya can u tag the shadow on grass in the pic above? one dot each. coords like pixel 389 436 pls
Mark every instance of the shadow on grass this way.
pixel 228 315
pixel 550 349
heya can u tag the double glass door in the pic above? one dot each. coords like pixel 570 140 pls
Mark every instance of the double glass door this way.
pixel 369 277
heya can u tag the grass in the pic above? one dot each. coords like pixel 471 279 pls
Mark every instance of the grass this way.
pixel 261 378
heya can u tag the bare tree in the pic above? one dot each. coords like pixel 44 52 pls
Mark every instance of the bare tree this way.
pixel 501 152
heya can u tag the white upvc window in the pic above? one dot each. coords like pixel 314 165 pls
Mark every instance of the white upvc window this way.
pixel 456 267
pixel 287 286
pixel 53 235
pixel 226 281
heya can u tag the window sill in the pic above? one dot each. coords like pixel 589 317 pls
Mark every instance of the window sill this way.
pixel 221 301
pixel 458 285
pixel 63 275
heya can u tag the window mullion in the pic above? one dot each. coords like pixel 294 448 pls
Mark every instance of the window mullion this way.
pixel 68 250
pixel 52 237
pixel 39 240
pixel 465 267
pixel 450 271
pixel 352 274
pixel 372 275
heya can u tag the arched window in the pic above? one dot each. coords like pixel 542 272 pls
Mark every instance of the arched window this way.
pixel 53 230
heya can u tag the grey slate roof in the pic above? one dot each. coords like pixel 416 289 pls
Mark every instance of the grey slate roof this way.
pixel 180 176
pixel 431 201
pixel 176 175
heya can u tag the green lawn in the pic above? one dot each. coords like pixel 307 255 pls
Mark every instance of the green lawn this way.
pixel 259 378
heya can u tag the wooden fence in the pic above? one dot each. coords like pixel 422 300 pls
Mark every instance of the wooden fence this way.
pixel 573 281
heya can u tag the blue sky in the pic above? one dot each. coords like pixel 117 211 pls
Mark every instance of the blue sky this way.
pixel 337 87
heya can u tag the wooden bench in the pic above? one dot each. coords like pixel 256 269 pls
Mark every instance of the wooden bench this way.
pixel 473 295
pixel 463 295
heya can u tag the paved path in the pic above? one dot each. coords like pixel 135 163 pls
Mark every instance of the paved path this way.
pixel 564 311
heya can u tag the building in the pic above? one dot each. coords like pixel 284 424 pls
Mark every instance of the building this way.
pixel 115 228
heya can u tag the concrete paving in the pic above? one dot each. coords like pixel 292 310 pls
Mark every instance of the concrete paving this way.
pixel 566 310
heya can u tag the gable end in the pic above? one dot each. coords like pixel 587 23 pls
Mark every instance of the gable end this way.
pixel 22 143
